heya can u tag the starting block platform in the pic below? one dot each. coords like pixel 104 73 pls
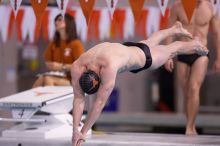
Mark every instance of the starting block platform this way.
pixel 56 101
pixel 121 139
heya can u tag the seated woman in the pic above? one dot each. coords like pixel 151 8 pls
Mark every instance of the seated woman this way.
pixel 61 53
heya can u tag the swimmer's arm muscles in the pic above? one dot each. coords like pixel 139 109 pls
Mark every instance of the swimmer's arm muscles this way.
pixel 78 106
pixel 79 97
pixel 106 87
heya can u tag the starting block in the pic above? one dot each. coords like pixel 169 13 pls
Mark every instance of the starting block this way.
pixel 54 100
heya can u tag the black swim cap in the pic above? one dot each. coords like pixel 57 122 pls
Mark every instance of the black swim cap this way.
pixel 89 82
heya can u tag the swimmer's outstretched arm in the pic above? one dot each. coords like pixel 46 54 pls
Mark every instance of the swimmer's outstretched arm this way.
pixel 108 76
pixel 78 104
pixel 78 107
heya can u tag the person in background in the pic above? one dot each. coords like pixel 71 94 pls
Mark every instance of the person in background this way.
pixel 61 53
pixel 192 68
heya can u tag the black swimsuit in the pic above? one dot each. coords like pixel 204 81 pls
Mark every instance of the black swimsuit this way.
pixel 146 51
pixel 189 59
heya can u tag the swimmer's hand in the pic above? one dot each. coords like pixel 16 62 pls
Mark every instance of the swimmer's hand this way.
pixel 78 138
pixel 169 65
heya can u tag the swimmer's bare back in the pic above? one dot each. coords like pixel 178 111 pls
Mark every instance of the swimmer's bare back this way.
pixel 112 54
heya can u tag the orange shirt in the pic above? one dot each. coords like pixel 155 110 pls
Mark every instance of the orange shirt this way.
pixel 66 53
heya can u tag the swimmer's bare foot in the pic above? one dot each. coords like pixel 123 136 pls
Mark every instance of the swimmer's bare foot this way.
pixel 191 47
pixel 191 132
pixel 180 31
pixel 200 49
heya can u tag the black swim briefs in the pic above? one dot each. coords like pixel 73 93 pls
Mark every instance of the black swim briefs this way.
pixel 189 59
pixel 146 51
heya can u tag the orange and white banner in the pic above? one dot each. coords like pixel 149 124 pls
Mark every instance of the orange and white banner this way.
pixel 141 26
pixel 189 6
pixel 28 27
pixel 153 20
pixel 51 26
pixel 111 4
pixel 18 22
pixel 15 4
pixel 93 28
pixel 101 25
pixel 39 7
pixel 81 24
pixel 128 24
pixel 87 8
pixel 163 23
pixel 163 5
pixel 5 19
pixel 45 29
pixel 104 24
pixel 136 7
pixel 117 24
pixel 62 5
